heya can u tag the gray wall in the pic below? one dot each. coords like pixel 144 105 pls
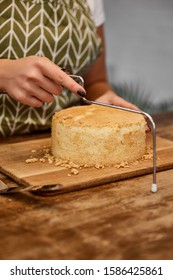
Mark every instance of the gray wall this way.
pixel 139 38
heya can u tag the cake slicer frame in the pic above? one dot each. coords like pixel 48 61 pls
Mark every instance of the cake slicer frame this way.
pixel 80 80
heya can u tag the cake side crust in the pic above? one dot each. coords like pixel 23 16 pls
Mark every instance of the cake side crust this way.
pixel 108 143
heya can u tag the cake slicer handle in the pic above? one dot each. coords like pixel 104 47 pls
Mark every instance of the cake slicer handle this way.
pixel 81 82
pixel 40 189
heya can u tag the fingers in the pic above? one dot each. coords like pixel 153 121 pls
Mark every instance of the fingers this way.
pixel 51 86
pixel 33 96
pixel 33 80
pixel 32 101
pixel 123 103
pixel 55 73
pixel 27 99
pixel 42 95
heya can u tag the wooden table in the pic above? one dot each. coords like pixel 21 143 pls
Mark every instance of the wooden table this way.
pixel 121 220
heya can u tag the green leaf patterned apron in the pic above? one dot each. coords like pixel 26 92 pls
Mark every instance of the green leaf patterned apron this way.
pixel 61 30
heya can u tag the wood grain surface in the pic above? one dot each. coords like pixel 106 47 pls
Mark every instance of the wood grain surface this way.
pixel 13 156
pixel 119 220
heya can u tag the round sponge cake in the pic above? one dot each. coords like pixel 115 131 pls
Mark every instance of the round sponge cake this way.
pixel 93 134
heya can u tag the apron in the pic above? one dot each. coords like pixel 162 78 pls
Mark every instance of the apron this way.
pixel 61 30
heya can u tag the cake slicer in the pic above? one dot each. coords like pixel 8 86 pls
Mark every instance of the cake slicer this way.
pixel 80 80
pixel 40 189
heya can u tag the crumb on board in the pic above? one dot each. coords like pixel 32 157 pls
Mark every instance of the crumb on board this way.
pixel 149 156
pixel 42 160
pixel 122 164
pixel 98 166
pixel 30 160
pixel 74 171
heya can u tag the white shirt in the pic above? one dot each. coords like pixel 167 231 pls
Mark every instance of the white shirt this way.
pixel 97 10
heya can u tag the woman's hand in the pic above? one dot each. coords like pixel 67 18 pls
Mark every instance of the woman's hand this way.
pixel 33 80
pixel 111 98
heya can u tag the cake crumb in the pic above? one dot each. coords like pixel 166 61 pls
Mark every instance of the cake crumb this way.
pixel 122 164
pixel 86 165
pixel 74 171
pixel 147 156
pixel 50 160
pixel 30 160
pixel 58 162
pixel 74 165
pixel 42 160
pixel 99 166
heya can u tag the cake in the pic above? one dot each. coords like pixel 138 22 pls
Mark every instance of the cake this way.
pixel 93 134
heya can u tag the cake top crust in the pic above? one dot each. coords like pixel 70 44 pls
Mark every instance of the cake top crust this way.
pixel 97 116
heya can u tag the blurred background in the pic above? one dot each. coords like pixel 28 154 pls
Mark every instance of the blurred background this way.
pixel 139 43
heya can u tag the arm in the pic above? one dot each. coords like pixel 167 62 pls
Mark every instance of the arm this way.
pixel 96 82
pixel 33 80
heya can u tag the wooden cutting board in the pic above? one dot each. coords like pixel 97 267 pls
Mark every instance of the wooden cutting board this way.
pixel 13 156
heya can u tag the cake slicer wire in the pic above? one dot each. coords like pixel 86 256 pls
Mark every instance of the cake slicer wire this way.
pixel 81 82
